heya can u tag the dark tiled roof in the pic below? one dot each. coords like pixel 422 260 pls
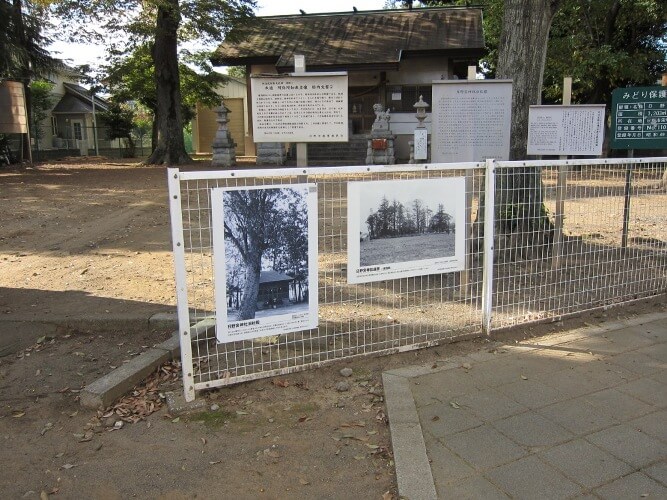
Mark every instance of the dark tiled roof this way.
pixel 78 100
pixel 72 104
pixel 273 276
pixel 359 39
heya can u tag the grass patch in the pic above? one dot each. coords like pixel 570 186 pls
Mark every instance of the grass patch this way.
pixel 304 408
pixel 214 419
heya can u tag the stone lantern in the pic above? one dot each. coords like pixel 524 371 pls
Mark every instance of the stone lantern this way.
pixel 419 145
pixel 223 147
pixel 420 107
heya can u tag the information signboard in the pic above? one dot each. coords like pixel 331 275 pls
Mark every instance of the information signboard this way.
pixel 309 107
pixel 566 130
pixel 471 120
pixel 639 118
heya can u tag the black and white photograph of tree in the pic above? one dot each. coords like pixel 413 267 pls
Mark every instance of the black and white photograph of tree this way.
pixel 266 252
pixel 405 221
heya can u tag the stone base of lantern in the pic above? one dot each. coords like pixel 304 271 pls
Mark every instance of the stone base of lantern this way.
pixel 270 153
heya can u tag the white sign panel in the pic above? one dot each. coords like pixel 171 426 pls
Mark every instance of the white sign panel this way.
pixel 265 260
pixel 471 120
pixel 566 130
pixel 421 144
pixel 300 108
pixel 403 228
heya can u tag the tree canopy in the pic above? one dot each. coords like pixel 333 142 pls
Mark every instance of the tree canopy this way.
pixel 22 41
pixel 159 26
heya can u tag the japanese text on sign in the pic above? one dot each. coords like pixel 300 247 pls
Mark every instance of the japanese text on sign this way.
pixel 471 120
pixel 639 118
pixel 566 130
pixel 300 108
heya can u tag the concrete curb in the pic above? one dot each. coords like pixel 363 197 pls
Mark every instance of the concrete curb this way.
pixel 413 471
pixel 108 388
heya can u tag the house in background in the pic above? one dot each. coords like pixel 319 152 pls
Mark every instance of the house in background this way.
pixel 73 124
pixel 391 56
pixel 204 125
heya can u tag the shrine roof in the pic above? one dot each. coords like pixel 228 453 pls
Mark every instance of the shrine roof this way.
pixel 358 39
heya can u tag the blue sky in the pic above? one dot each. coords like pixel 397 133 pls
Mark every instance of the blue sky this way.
pixel 78 54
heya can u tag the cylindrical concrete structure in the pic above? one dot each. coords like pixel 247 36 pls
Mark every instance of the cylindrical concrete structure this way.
pixel 13 116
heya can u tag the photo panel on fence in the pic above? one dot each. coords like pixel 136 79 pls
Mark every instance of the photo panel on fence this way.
pixel 405 228
pixel 265 260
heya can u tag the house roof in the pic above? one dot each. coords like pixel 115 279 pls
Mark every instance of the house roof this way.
pixel 78 100
pixel 273 276
pixel 360 39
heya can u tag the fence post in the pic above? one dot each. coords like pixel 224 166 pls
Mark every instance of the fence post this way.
pixel 489 236
pixel 626 202
pixel 181 282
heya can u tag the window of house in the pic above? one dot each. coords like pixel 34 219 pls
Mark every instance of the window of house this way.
pixel 78 131
pixel 402 98
pixel 54 126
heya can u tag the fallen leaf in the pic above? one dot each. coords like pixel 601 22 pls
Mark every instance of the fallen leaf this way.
pixel 88 436
pixel 454 404
pixel 238 412
pixel 523 377
pixel 371 433
pixel 360 457
pixel 280 383
pixel 215 462
pixel 435 418
pixel 176 420
pixel 387 496
pixel 372 446
pixel 43 496
pixel 203 441
pixel 303 482
pixel 19 414
pixel 466 366
pixel 68 466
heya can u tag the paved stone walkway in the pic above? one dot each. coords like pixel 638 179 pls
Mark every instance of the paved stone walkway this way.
pixel 581 414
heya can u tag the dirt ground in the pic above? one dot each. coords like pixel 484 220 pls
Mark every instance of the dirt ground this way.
pixel 93 239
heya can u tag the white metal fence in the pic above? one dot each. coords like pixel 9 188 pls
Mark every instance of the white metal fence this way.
pixel 569 236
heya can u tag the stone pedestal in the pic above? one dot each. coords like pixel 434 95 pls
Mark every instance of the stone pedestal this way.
pixel 380 149
pixel 223 147
pixel 270 153
pixel 412 153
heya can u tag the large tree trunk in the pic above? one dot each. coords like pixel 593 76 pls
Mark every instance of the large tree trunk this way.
pixel 251 287
pixel 521 56
pixel 170 148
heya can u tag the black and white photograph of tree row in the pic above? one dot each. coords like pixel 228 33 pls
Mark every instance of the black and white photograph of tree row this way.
pixel 266 252
pixel 405 222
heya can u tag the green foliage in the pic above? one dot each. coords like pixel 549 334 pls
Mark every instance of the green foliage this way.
pixel 131 78
pixel 237 72
pixel 22 41
pixel 119 121
pixel 604 45
pixel 42 102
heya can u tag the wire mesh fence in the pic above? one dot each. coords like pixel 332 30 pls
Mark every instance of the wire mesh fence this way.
pixel 605 241
pixel 569 237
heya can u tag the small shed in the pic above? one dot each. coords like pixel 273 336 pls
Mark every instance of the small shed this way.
pixel 273 289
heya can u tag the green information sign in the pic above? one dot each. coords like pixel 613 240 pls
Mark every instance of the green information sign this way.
pixel 639 118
